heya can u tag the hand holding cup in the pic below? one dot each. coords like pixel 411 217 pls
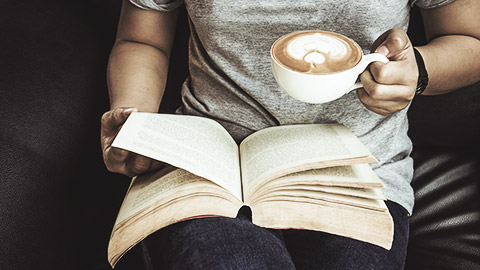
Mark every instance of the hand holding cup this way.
pixel 388 88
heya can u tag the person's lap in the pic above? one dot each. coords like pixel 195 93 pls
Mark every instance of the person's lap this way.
pixel 225 243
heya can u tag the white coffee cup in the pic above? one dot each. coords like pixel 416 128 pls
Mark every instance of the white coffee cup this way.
pixel 321 88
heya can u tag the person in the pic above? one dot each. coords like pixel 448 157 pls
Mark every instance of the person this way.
pixel 231 81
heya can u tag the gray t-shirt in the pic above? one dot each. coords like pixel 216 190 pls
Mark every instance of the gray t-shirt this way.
pixel 231 77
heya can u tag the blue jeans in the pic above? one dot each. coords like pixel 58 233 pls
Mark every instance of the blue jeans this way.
pixel 226 243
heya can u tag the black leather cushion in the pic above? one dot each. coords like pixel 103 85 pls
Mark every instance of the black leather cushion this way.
pixel 27 180
pixel 53 91
pixel 445 226
pixel 53 63
pixel 451 119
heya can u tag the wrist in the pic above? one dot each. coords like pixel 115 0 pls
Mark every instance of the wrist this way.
pixel 422 80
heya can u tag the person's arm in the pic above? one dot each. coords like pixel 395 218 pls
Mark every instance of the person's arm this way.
pixel 136 76
pixel 452 55
pixel 452 58
pixel 137 69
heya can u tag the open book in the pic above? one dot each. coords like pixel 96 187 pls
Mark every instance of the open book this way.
pixel 312 176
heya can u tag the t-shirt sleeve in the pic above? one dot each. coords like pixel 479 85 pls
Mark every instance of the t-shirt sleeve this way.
pixel 159 5
pixel 426 4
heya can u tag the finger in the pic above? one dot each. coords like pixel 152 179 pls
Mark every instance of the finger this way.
pixel 155 165
pixel 115 159
pixel 380 107
pixel 138 164
pixel 118 154
pixel 384 92
pixel 111 120
pixel 394 73
pixel 392 44
pixel 375 91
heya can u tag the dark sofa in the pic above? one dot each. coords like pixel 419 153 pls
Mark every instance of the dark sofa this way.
pixel 58 202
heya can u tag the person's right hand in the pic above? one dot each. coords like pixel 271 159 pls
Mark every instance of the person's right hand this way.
pixel 116 159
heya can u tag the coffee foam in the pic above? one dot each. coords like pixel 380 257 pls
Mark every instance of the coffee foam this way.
pixel 317 52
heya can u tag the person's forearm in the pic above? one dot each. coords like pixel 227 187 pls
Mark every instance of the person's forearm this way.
pixel 452 62
pixel 136 76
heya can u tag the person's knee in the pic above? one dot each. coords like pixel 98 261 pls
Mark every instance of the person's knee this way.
pixel 218 243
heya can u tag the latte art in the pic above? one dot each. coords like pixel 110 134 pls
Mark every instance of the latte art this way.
pixel 317 52
pixel 312 48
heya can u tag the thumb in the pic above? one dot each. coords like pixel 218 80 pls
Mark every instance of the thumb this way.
pixel 393 44
pixel 111 120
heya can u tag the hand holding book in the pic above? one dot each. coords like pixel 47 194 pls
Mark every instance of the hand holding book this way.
pixel 119 160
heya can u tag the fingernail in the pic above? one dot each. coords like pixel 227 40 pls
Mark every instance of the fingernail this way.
pixel 382 50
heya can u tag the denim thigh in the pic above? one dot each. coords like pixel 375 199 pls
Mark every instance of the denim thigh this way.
pixel 216 243
pixel 318 250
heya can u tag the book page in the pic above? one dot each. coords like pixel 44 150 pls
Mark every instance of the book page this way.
pixel 310 196
pixel 277 151
pixel 196 144
pixel 367 193
pixel 374 227
pixel 148 188
pixel 196 199
pixel 356 175
pixel 345 178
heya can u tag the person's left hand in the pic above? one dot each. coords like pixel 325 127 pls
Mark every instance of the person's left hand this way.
pixel 388 88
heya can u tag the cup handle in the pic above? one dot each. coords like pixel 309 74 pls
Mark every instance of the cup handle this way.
pixel 367 60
